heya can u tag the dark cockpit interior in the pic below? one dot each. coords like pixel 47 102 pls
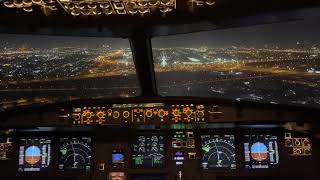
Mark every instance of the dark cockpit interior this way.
pixel 159 89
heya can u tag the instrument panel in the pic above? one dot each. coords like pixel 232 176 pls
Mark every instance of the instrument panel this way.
pixel 154 154
pixel 153 141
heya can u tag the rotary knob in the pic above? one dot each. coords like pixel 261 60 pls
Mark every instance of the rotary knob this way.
pixel 176 112
pixel 149 113
pixel 306 142
pixel 188 112
pixel 116 114
pixel 288 143
pixel 87 114
pixel 101 114
pixel 200 114
pixel 161 113
pixel 76 116
pixel 126 114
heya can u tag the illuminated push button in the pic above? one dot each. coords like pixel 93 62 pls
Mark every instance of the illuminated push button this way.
pixel 143 3
pixel 9 4
pixel 297 142
pixel 192 155
pixel 210 2
pixel 85 12
pixel 153 2
pixel 80 6
pixel 200 114
pixel 37 1
pixel 28 9
pixel 75 12
pixel 104 5
pixel 69 6
pixel 2 146
pixel 8 147
pixel 18 3
pixel 101 166
pixel 108 11
pixel 165 2
pixel 190 134
pixel 92 6
pixel 27 2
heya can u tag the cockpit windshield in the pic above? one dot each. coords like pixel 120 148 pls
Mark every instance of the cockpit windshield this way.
pixel 273 63
pixel 46 69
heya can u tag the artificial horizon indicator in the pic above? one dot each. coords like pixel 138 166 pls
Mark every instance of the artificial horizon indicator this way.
pixel 261 151
pixel 34 154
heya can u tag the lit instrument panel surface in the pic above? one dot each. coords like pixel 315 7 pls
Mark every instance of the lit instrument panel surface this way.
pixel 152 113
pixel 34 154
pixel 261 151
pixel 118 158
pixel 6 148
pixel 148 151
pixel 298 146
pixel 117 176
pixel 218 151
pixel 97 7
pixel 182 139
pixel 75 154
pixel 148 177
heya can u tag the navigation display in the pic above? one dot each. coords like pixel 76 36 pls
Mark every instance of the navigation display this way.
pixel 34 154
pixel 75 154
pixel 148 151
pixel 218 151
pixel 261 151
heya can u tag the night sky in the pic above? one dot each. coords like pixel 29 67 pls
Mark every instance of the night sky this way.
pixel 284 35
pixel 43 41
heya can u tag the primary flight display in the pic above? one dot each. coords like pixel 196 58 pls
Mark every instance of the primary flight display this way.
pixel 34 154
pixel 261 151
